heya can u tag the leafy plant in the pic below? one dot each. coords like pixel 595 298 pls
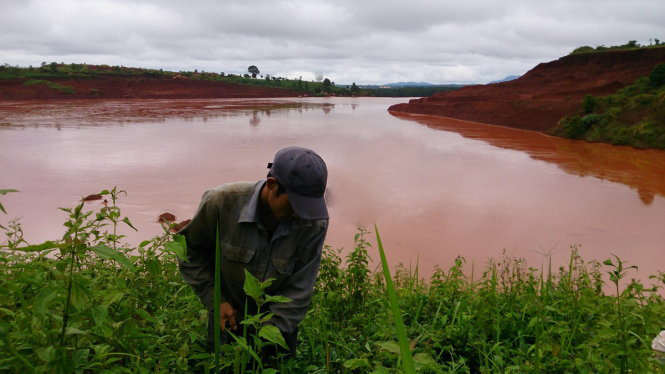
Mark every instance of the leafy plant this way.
pixel 127 310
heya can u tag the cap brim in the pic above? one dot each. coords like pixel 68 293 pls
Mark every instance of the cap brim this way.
pixel 309 208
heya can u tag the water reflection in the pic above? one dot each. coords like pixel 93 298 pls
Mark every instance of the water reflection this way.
pixel 79 113
pixel 641 170
pixel 471 190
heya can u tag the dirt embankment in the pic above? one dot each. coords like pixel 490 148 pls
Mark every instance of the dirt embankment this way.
pixel 546 93
pixel 131 87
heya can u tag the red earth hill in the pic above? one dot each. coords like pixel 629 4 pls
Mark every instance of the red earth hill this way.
pixel 134 87
pixel 546 93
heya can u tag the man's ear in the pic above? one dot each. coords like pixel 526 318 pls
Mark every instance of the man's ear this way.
pixel 271 183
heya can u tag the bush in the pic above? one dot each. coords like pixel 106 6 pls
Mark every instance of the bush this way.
pixel 583 49
pixel 589 104
pixel 657 76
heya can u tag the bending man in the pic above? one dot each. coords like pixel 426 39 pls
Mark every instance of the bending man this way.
pixel 273 228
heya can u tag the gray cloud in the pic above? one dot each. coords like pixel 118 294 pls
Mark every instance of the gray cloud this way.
pixel 369 41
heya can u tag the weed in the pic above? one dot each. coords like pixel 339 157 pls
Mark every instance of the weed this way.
pixel 91 303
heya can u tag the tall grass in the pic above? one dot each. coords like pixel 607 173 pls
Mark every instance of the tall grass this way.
pixel 405 351
pixel 128 310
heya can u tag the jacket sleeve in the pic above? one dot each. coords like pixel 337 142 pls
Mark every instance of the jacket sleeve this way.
pixel 299 286
pixel 199 270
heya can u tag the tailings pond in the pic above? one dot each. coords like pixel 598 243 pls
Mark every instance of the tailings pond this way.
pixel 437 188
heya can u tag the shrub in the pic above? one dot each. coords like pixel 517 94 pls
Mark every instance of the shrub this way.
pixel 657 76
pixel 589 104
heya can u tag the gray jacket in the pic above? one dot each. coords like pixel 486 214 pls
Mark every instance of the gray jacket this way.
pixel 292 255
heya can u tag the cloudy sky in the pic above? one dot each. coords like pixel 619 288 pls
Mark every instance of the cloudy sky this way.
pixel 363 41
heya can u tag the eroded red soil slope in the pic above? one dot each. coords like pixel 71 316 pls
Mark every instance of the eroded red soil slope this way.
pixel 542 96
pixel 132 87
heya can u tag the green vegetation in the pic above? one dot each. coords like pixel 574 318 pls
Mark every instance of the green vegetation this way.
pixel 412 91
pixel 88 303
pixel 53 85
pixel 633 116
pixel 632 44
pixel 54 71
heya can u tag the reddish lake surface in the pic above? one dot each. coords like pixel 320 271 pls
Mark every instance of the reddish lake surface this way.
pixel 436 187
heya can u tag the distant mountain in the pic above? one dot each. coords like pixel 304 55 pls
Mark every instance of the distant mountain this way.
pixel 408 84
pixel 506 79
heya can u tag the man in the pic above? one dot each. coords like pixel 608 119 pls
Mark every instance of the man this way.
pixel 274 228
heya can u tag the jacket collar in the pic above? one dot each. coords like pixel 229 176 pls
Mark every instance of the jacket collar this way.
pixel 250 212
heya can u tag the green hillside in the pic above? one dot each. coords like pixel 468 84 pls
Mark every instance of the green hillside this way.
pixel 633 116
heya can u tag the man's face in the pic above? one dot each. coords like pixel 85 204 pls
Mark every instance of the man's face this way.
pixel 279 205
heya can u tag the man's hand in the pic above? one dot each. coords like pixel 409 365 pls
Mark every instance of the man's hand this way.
pixel 227 314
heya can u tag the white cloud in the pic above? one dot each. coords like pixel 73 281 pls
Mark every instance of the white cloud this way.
pixel 348 41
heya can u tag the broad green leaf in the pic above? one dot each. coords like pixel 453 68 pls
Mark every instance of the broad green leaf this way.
pixel 184 349
pixel 40 247
pixel 277 299
pixel 46 354
pixel 356 363
pixel 110 253
pixel 74 331
pixel 43 300
pixel 389 346
pixel 112 296
pixel 129 223
pixel 178 246
pixel 243 343
pixel 251 320
pixel 102 321
pixel 145 315
pixel 425 360
pixel 267 317
pixel 252 286
pixel 269 371
pixel 272 334
pixel 154 266
pixel 4 192
pixel 266 283
pixel 101 350
pixel 80 295
pixel 80 356
pixel 7 312
pixel 380 370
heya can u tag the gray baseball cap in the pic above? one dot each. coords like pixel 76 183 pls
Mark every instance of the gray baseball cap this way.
pixel 303 174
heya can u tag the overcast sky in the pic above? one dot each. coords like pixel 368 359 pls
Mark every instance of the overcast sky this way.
pixel 362 41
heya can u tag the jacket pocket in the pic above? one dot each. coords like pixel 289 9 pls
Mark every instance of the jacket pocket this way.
pixel 237 254
pixel 284 266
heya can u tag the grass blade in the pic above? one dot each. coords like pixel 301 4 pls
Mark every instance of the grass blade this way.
pixel 405 352
pixel 217 298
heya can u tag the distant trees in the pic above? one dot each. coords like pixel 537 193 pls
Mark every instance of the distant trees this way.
pixel 252 69
pixel 632 44
pixel 354 89
pixel 326 85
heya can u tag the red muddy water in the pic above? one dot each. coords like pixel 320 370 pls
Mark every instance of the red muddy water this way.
pixel 436 187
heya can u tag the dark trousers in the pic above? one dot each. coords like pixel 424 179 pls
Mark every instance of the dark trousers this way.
pixel 268 352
